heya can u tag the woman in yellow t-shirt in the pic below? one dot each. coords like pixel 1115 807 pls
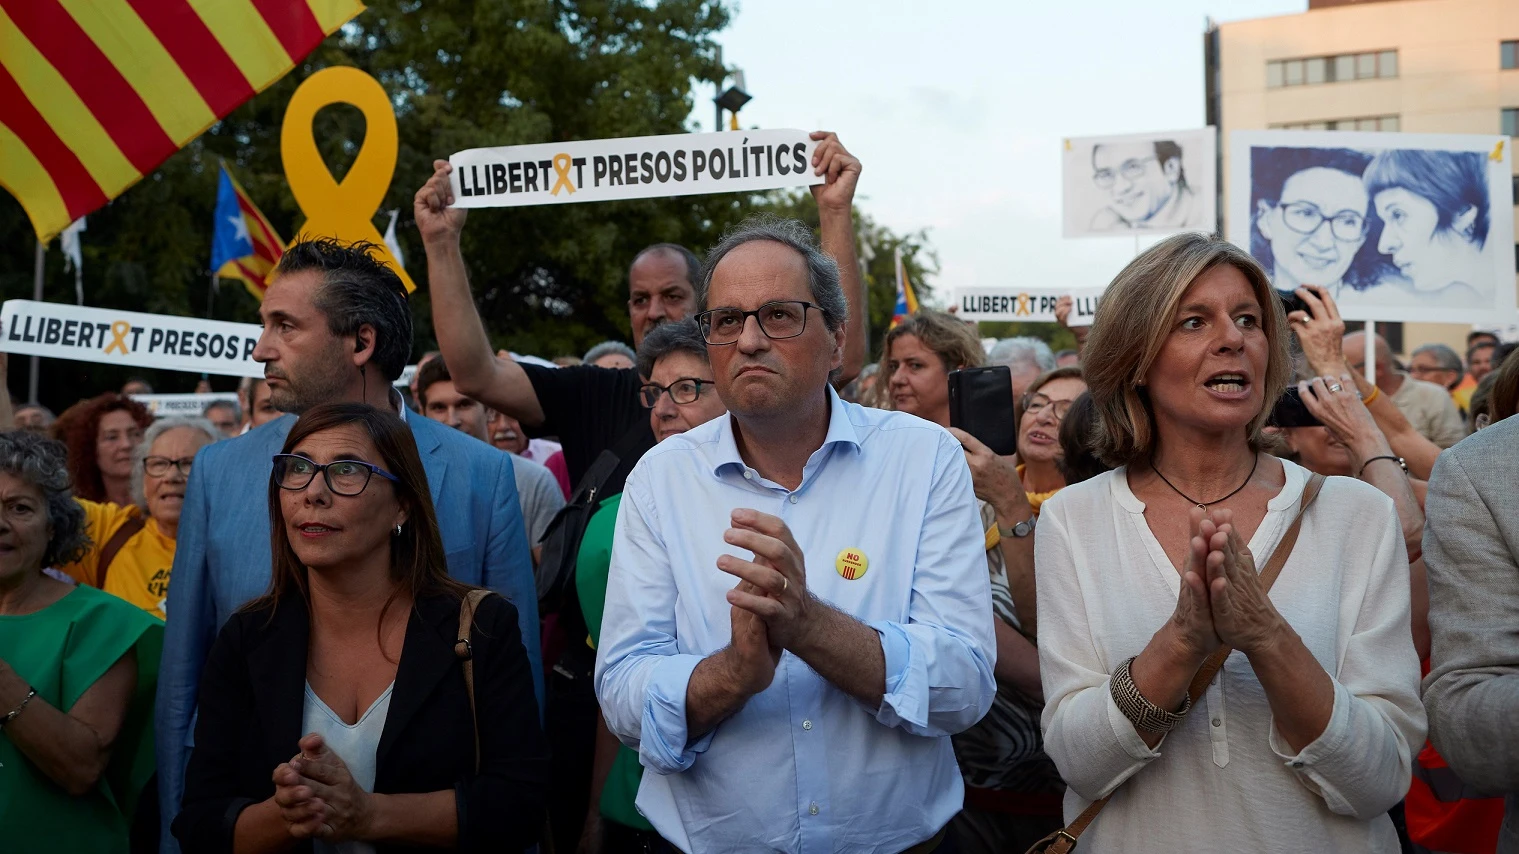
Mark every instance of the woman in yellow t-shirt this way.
pixel 132 547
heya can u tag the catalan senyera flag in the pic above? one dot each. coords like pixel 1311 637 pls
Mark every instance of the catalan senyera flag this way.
pixel 243 243
pixel 95 94
pixel 907 301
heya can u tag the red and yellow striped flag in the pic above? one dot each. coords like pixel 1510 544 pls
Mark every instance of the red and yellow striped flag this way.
pixel 95 94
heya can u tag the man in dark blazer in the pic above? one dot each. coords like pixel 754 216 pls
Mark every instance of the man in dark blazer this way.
pixel 337 327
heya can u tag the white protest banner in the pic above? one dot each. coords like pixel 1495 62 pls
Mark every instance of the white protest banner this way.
pixel 174 405
pixel 132 338
pixel 638 167
pixel 1037 304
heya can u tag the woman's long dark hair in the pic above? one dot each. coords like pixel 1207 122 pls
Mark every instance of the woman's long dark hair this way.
pixel 417 559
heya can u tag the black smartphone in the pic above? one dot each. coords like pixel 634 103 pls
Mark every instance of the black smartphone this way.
pixel 981 404
pixel 1292 302
pixel 1290 411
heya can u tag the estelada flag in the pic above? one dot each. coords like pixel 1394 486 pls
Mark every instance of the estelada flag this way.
pixel 93 96
pixel 243 244
pixel 907 301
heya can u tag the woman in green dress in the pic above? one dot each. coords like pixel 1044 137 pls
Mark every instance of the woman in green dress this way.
pixel 77 671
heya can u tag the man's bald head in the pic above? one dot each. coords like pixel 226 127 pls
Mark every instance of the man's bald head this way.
pixel 661 287
pixel 1355 355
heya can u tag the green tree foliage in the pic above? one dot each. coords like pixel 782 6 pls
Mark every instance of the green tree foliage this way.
pixel 461 74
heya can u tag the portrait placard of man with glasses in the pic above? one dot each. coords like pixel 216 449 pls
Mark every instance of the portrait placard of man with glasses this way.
pixel 1150 183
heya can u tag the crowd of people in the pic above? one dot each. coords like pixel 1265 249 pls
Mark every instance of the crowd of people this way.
pixel 731 588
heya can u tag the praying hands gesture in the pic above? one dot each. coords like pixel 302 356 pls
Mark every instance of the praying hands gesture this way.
pixel 776 578
pixel 1243 616
pixel 318 797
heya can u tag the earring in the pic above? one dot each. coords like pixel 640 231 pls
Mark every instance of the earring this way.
pixel 398 531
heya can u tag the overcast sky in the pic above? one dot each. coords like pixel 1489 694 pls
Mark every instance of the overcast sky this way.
pixel 957 110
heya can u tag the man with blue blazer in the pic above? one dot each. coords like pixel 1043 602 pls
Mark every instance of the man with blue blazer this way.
pixel 337 327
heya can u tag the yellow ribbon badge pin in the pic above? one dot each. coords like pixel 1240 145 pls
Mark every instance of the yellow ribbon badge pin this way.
pixel 852 564
pixel 343 210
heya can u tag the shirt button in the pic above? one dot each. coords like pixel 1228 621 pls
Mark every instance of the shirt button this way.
pixel 793 499
pixel 806 724
pixel 748 475
pixel 1218 722
pixel 1297 765
pixel 813 809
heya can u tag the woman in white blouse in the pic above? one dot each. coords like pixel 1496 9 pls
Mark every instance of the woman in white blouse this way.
pixel 1304 740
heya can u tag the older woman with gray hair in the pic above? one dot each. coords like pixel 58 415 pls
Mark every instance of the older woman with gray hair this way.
pixel 1290 711
pixel 77 671
pixel 132 546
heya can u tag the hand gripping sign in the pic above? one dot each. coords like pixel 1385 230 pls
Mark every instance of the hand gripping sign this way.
pixel 640 167
pixel 114 337
pixel 345 211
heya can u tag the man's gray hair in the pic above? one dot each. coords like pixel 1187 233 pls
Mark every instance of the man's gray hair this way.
pixel 608 348
pixel 681 336
pixel 150 435
pixel 43 463
pixel 822 270
pixel 1022 355
pixel 237 411
pixel 1447 358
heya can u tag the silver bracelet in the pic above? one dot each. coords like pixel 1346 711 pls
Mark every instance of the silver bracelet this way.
pixel 1142 713
pixel 11 715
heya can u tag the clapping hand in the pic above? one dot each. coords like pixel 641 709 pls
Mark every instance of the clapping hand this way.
pixel 1243 616
pixel 777 575
pixel 344 810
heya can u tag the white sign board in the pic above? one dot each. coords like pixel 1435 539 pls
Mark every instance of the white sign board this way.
pixel 1038 305
pixel 1398 226
pixel 1144 183
pixel 132 338
pixel 640 167
pixel 182 405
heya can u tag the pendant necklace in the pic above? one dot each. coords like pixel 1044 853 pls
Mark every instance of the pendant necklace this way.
pixel 1204 505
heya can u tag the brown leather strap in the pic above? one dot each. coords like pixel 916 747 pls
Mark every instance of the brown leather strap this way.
pixel 465 649
pixel 126 532
pixel 1063 841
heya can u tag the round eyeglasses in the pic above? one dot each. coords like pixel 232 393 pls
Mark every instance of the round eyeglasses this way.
pixel 683 390
pixel 1035 403
pixel 344 477
pixel 159 466
pixel 1132 170
pixel 779 320
pixel 1305 218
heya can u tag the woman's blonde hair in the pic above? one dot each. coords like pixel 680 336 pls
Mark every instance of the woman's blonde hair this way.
pixel 951 338
pixel 1132 323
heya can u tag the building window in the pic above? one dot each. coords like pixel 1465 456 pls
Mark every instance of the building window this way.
pixel 1508 54
pixel 1363 123
pixel 1313 71
pixel 1510 121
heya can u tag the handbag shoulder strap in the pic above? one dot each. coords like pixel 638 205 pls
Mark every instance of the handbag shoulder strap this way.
pixel 465 649
pixel 1064 840
pixel 127 531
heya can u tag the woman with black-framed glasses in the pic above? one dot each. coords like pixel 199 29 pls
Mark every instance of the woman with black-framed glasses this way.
pixel 132 546
pixel 334 710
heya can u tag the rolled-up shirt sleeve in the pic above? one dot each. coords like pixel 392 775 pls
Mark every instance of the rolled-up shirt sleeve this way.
pixel 1091 742
pixel 939 663
pixel 641 676
pixel 1362 762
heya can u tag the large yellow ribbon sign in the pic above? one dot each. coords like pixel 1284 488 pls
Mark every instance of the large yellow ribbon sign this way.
pixel 345 211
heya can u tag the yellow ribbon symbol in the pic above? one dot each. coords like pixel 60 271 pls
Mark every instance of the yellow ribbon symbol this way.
pixel 562 166
pixel 345 211
pixel 1023 307
pixel 119 331
pixel 1497 155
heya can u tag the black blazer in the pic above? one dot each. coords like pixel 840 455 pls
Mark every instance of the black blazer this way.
pixel 251 699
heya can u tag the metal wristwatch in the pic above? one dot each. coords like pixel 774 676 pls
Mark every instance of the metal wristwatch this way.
pixel 1020 530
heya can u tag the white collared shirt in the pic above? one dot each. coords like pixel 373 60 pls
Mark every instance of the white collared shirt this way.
pixel 803 766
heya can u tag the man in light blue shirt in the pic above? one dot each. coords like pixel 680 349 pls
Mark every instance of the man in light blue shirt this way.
pixel 809 707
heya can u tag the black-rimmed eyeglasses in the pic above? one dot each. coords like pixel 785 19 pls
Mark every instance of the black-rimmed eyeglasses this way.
pixel 779 320
pixel 1305 218
pixel 159 466
pixel 344 477
pixel 683 390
